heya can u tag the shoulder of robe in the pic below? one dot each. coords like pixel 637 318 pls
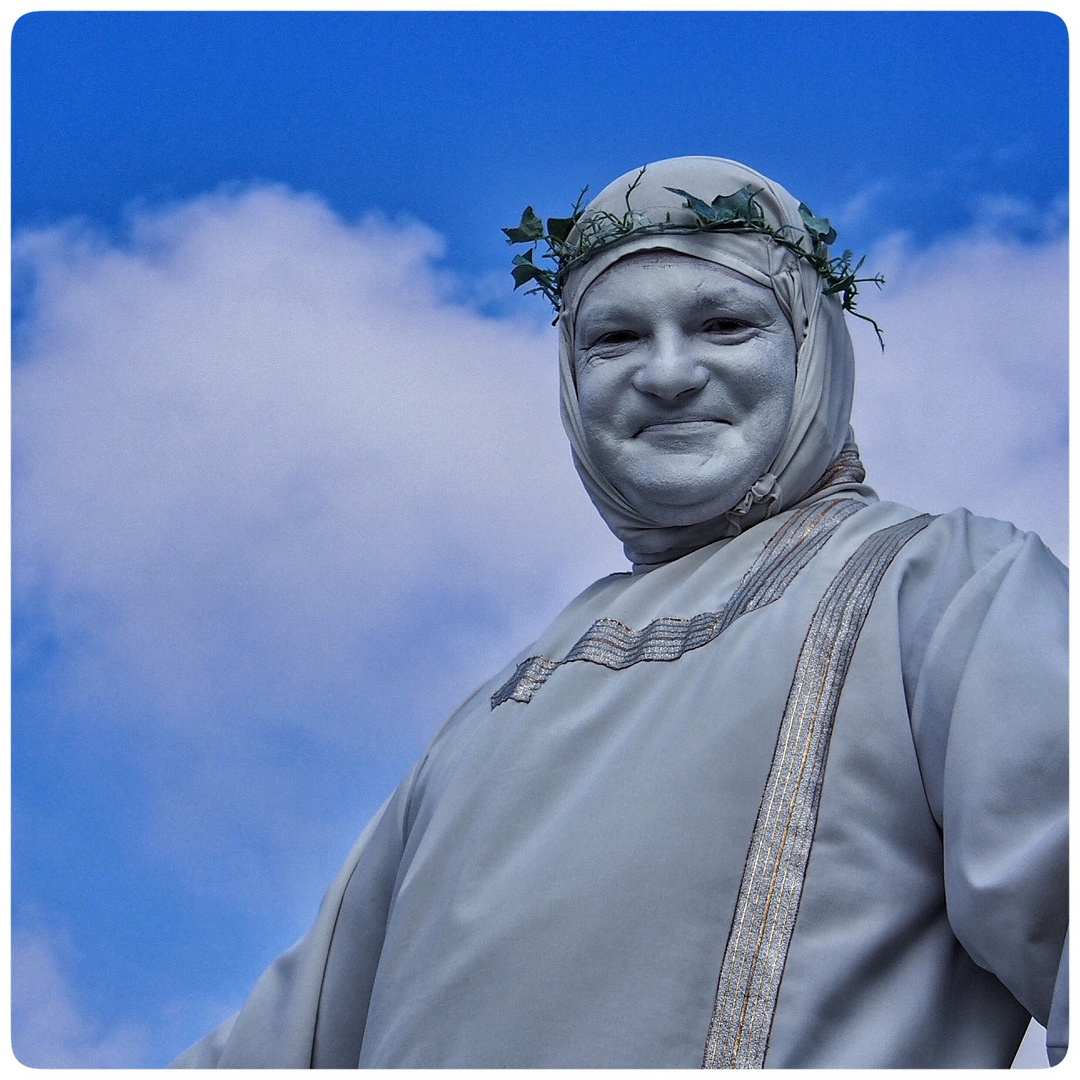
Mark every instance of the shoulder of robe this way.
pixel 967 578
pixel 960 544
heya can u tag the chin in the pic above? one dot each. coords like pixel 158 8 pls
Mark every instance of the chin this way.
pixel 693 508
pixel 687 489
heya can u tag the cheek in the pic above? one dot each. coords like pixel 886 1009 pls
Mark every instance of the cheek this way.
pixel 777 388
pixel 781 392
pixel 771 396
pixel 598 400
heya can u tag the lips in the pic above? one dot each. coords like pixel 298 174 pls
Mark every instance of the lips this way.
pixel 680 425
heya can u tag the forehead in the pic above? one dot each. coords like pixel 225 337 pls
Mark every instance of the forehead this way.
pixel 660 277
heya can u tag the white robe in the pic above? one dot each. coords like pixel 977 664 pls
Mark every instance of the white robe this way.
pixel 553 885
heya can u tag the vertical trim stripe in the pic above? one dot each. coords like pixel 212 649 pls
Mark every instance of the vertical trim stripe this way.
pixel 772 883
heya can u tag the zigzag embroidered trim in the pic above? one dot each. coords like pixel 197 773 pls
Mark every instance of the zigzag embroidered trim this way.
pixel 772 883
pixel 615 645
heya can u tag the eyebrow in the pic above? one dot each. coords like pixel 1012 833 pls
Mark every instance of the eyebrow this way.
pixel 708 295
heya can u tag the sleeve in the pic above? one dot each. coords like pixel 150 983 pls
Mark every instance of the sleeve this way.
pixel 990 719
pixel 285 1022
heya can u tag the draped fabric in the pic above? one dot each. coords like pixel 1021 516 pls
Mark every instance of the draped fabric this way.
pixel 555 883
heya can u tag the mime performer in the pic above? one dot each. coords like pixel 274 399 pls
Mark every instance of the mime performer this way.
pixel 791 792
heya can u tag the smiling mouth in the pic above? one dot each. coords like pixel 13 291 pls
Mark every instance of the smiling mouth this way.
pixel 684 425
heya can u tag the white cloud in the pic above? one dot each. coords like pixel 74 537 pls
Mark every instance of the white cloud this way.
pixel 1007 215
pixel 968 406
pixel 246 440
pixel 49 1027
pixel 861 206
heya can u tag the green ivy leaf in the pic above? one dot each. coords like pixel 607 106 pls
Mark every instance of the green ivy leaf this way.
pixel 738 207
pixel 524 270
pixel 530 228
pixel 701 208
pixel 560 228
pixel 821 232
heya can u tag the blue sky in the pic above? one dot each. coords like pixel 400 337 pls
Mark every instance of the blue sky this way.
pixel 288 480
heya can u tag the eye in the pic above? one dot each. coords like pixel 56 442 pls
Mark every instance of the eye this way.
pixel 613 338
pixel 616 337
pixel 725 326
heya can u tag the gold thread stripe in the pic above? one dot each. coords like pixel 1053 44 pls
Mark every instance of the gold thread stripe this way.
pixel 615 645
pixel 772 882
pixel 846 469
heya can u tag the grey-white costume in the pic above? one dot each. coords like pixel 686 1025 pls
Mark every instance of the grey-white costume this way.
pixel 794 797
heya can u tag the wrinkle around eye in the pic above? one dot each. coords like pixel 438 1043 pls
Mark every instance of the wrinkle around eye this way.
pixel 599 355
pixel 607 346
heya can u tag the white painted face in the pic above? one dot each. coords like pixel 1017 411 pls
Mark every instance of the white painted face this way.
pixel 685 380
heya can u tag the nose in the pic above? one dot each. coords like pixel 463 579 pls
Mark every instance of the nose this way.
pixel 670 368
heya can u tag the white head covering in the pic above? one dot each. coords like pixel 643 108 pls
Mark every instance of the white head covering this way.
pixel 818 430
